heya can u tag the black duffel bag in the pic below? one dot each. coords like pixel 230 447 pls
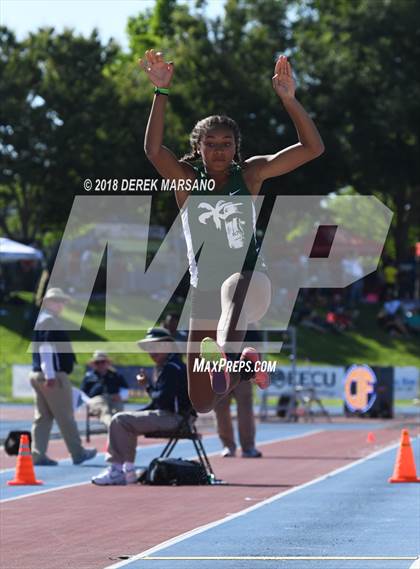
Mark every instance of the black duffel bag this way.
pixel 11 444
pixel 174 471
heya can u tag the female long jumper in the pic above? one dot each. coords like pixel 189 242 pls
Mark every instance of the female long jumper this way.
pixel 223 307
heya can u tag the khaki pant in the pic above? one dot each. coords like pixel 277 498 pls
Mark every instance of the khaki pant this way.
pixel 126 427
pixel 54 403
pixel 104 408
pixel 246 422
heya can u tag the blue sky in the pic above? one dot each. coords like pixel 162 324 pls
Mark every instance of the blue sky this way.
pixel 109 16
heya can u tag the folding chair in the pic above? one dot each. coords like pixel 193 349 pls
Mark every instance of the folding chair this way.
pixel 185 431
pixel 88 430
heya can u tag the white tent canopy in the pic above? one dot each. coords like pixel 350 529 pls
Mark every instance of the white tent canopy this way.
pixel 11 251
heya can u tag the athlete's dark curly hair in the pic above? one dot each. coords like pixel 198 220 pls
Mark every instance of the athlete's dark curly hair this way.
pixel 201 129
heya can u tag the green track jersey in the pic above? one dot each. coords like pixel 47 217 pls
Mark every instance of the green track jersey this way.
pixel 225 223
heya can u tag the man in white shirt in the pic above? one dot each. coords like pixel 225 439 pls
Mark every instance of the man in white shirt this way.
pixel 52 362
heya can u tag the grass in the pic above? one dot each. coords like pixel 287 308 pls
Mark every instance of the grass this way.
pixel 366 344
pixel 16 333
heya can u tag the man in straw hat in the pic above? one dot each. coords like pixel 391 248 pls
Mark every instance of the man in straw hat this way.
pixel 169 401
pixel 102 383
pixel 52 362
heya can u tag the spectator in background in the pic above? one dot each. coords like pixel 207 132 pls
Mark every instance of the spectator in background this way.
pixel 307 316
pixel 102 384
pixel 406 278
pixel 243 395
pixel 169 403
pixel 391 317
pixel 354 268
pixel 170 323
pixel 86 260
pixel 391 276
pixel 338 317
pixel 52 362
pixel 412 321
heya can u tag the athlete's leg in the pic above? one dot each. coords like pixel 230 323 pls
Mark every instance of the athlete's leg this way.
pixel 246 303
pixel 200 390
pixel 245 298
pixel 236 313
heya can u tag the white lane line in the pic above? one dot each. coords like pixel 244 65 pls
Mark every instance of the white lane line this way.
pixel 64 487
pixel 281 558
pixel 274 498
pixel 42 492
pixel 65 461
pixel 57 488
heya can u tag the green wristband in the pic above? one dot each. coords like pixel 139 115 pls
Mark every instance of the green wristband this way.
pixel 161 91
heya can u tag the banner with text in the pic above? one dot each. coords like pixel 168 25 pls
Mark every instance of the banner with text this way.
pixel 328 381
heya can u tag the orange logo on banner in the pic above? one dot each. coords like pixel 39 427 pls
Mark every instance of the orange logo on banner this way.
pixel 359 388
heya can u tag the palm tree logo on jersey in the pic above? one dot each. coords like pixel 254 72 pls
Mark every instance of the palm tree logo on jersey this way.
pixel 228 213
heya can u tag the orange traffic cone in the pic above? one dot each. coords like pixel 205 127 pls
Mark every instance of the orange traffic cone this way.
pixel 25 474
pixel 371 437
pixel 405 467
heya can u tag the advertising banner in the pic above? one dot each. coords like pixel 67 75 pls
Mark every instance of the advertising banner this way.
pixel 327 380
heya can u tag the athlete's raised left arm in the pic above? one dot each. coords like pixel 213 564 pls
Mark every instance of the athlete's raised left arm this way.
pixel 310 144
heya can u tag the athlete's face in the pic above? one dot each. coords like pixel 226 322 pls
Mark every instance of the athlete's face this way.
pixel 217 148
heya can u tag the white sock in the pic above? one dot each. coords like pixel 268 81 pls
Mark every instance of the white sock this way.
pixel 128 466
pixel 117 466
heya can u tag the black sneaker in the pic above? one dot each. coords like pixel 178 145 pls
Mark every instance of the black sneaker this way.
pixel 251 453
pixel 44 461
pixel 88 453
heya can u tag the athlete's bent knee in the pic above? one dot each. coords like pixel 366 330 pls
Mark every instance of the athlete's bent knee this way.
pixel 200 403
pixel 234 283
pixel 119 418
pixel 202 408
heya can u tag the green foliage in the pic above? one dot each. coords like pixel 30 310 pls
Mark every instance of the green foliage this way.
pixel 356 61
pixel 59 124
pixel 140 34
pixel 365 344
pixel 74 108
pixel 161 22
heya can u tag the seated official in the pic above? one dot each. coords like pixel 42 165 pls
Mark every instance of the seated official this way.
pixel 169 403
pixel 102 383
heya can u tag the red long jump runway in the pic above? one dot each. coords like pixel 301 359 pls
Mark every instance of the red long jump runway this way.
pixel 58 450
pixel 88 527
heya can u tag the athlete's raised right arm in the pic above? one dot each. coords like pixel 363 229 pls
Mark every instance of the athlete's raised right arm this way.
pixel 160 74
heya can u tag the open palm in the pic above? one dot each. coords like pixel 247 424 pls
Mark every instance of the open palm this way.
pixel 283 82
pixel 157 69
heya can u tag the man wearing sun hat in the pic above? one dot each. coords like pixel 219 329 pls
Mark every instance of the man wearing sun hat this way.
pixel 102 383
pixel 52 362
pixel 169 401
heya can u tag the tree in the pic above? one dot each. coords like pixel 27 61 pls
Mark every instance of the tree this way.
pixel 58 125
pixel 356 61
pixel 25 135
